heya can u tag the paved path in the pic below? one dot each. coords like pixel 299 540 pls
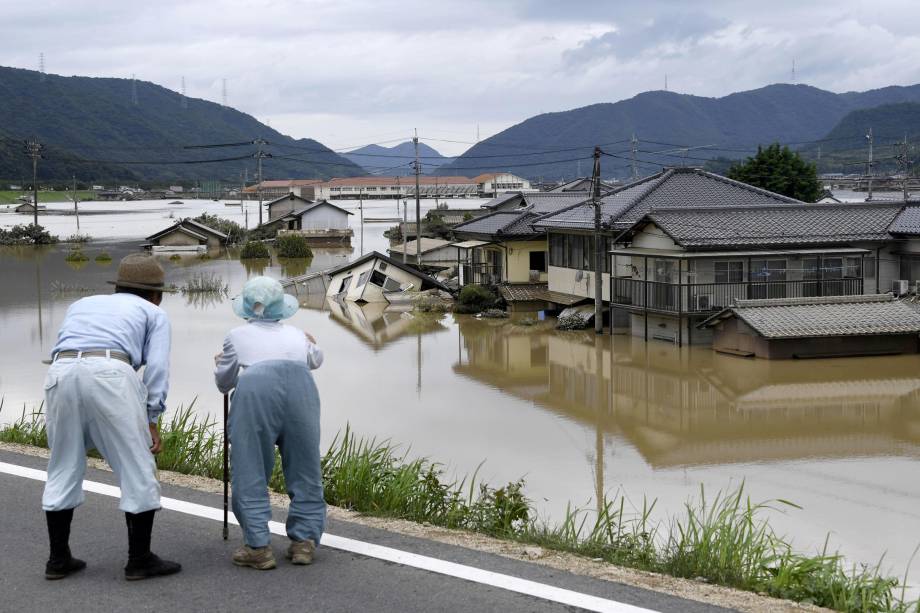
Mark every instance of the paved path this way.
pixel 339 580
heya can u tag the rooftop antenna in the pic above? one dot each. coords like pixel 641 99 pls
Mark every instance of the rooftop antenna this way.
pixel 223 92
pixel 184 100
pixel 133 90
pixel 41 66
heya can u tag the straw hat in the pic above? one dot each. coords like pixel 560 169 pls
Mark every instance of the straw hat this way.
pixel 141 271
pixel 263 298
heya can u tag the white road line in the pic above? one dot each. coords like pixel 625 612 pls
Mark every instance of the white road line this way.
pixel 405 558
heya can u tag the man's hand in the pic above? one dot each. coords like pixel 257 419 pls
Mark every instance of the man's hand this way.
pixel 155 436
pixel 309 337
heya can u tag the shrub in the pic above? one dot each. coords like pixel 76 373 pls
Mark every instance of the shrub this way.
pixel 292 246
pixel 103 257
pixel 475 298
pixel 76 255
pixel 254 250
pixel 78 238
pixel 236 233
pixel 32 234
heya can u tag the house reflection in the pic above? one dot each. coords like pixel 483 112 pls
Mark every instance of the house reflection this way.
pixel 690 406
pixel 376 324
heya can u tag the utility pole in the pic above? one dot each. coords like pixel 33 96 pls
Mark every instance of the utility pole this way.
pixel 133 90
pixel 260 142
pixel 76 209
pixel 599 254
pixel 871 166
pixel 418 206
pixel 634 148
pixel 405 226
pixel 905 164
pixel 361 213
pixel 34 151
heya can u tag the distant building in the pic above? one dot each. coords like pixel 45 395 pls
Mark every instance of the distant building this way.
pixel 176 189
pixel 317 221
pixel 354 188
pixel 274 189
pixel 28 207
pixel 493 183
pixel 288 203
pixel 187 235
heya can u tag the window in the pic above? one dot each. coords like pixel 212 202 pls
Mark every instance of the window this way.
pixel 575 252
pixel 538 260
pixel 345 283
pixel 391 285
pixel 363 278
pixel 869 267
pixel 383 266
pixel 853 267
pixel 378 278
pixel 557 250
pixel 729 272
pixel 768 270
pixel 832 268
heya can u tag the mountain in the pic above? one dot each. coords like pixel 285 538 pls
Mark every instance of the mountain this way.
pixel 551 145
pixel 397 160
pixel 91 127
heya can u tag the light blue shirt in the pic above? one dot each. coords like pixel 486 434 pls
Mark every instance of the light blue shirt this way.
pixel 129 324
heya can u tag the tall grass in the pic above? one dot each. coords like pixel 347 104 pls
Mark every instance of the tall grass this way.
pixel 725 539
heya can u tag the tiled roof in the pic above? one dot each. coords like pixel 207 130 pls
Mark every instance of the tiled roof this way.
pixel 525 292
pixel 502 199
pixel 518 221
pixel 548 202
pixel 489 224
pixel 821 317
pixel 671 188
pixel 776 226
pixel 907 221
pixel 428 244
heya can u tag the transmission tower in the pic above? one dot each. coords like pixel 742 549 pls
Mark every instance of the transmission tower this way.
pixel 223 91
pixel 41 66
pixel 905 165
pixel 133 90
pixel 184 101
pixel 33 149
pixel 870 165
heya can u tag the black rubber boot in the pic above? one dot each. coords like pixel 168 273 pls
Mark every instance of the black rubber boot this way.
pixel 142 564
pixel 60 562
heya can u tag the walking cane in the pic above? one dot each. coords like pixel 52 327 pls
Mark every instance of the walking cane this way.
pixel 226 463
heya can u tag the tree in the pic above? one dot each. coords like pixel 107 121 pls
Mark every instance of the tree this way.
pixel 779 170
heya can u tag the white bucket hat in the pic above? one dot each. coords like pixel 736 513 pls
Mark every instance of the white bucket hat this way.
pixel 264 299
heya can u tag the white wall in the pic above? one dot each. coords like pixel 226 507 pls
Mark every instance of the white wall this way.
pixel 325 217
pixel 563 280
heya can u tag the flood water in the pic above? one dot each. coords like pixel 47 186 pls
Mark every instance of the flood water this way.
pixel 572 413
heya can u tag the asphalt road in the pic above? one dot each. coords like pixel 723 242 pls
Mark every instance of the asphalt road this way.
pixel 337 581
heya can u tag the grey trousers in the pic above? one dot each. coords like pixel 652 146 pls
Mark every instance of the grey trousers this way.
pixel 98 403
pixel 276 403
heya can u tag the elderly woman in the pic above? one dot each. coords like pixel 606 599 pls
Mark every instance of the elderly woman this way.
pixel 275 403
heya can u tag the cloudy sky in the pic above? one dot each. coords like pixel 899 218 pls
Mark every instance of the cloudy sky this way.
pixel 352 72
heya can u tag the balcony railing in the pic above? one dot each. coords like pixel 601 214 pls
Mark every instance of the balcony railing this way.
pixel 482 274
pixel 708 297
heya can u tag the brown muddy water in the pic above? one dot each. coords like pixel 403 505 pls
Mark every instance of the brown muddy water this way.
pixel 572 413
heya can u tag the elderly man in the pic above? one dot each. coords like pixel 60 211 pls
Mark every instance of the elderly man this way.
pixel 95 399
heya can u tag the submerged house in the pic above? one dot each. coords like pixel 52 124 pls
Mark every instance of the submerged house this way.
pixel 570 231
pixel 510 249
pixel 833 326
pixel 314 220
pixel 436 252
pixel 186 235
pixel 674 268
pixel 371 277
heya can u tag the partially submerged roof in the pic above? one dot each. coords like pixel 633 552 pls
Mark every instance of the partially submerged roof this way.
pixel 529 292
pixel 784 318
pixel 668 189
pixel 314 205
pixel 428 244
pixel 427 281
pixel 816 224
pixel 290 196
pixel 190 227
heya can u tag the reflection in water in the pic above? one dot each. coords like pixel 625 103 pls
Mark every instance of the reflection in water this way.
pixel 256 266
pixel 77 264
pixel 204 300
pixel 696 407
pixel 378 324
pixel 294 267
